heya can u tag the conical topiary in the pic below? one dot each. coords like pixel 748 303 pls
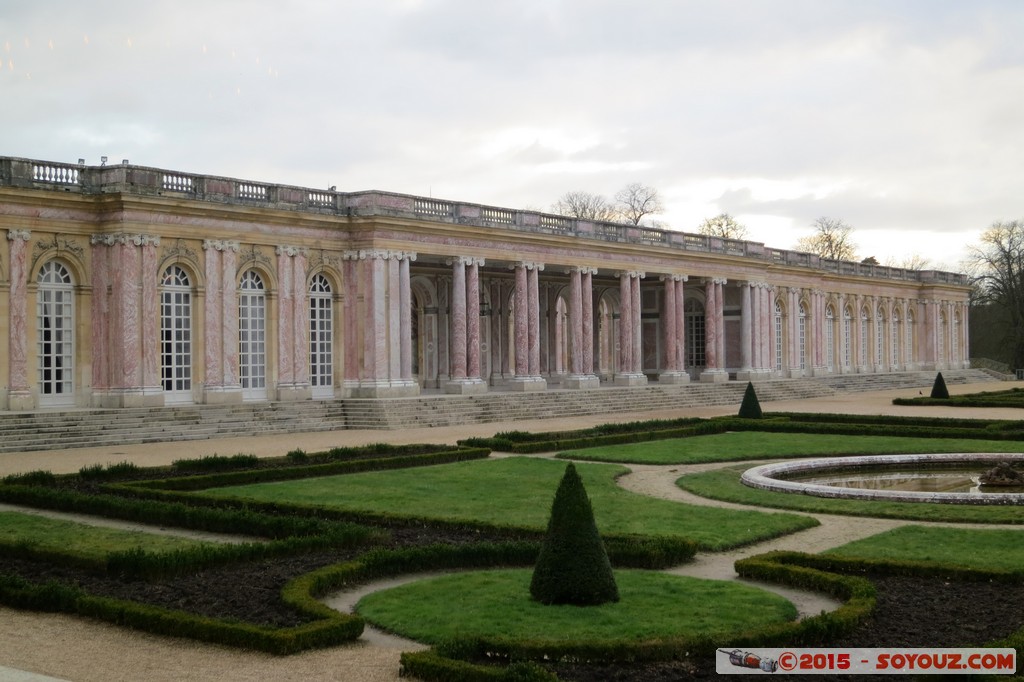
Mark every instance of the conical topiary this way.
pixel 573 566
pixel 750 408
pixel 939 389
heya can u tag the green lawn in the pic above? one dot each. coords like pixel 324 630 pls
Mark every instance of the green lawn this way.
pixel 724 484
pixel 83 540
pixel 518 491
pixel 981 548
pixel 745 445
pixel 498 604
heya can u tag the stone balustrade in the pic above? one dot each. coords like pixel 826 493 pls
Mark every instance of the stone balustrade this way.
pixel 139 180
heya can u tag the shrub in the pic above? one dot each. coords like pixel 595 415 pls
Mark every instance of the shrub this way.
pixel 41 477
pixel 939 390
pixel 750 408
pixel 216 463
pixel 98 471
pixel 298 456
pixel 573 566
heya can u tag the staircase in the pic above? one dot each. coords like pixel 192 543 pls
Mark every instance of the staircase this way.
pixel 49 430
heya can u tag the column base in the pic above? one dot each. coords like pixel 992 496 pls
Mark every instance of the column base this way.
pixel 752 375
pixel 673 377
pixel 581 381
pixel 222 395
pixel 796 373
pixel 714 376
pixel 20 401
pixel 294 392
pixel 466 386
pixel 638 379
pixel 527 384
pixel 149 396
pixel 822 372
pixel 386 389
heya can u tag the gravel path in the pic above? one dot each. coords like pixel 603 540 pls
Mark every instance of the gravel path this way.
pixel 71 648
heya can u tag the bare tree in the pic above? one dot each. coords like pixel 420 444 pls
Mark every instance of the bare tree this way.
pixel 585 205
pixel 999 266
pixel 723 225
pixel 914 261
pixel 636 201
pixel 831 239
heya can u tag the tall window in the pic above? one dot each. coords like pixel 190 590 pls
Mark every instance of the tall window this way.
pixel 55 334
pixel 778 336
pixel 803 336
pixel 695 338
pixel 847 337
pixel 176 335
pixel 830 338
pixel 252 336
pixel 940 355
pixel 321 337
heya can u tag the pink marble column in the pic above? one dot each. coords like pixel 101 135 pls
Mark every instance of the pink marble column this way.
pixel 458 308
pixel 756 292
pixel 300 288
pixel 394 315
pixel 746 331
pixel 575 322
pixel 721 325
pixel 668 324
pixel 681 325
pixel 521 324
pixel 533 314
pixel 794 329
pixel 375 355
pixel 126 360
pixel 405 323
pixel 637 307
pixel 473 319
pixel 767 331
pixel 625 323
pixel 19 395
pixel 587 300
pixel 711 325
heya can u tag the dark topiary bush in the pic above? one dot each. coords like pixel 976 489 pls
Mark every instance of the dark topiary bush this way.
pixel 939 389
pixel 573 566
pixel 750 408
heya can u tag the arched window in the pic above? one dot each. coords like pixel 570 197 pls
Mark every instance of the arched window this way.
pixel 830 338
pixel 695 338
pixel 779 337
pixel 176 335
pixel 252 336
pixel 321 337
pixel 55 334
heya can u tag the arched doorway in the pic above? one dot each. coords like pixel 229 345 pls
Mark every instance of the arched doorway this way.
pixel 176 335
pixel 252 336
pixel 55 333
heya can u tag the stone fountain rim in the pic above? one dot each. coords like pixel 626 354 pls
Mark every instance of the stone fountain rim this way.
pixel 763 477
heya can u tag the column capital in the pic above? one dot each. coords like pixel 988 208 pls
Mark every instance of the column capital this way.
pixel 21 235
pixel 674 278
pixel 638 274
pixel 715 280
pixel 582 269
pixel 220 245
pixel 291 251
pixel 529 265
pixel 465 260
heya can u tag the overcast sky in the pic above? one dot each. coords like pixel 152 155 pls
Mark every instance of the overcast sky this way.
pixel 903 118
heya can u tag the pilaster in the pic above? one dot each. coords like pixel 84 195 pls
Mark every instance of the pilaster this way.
pixel 293 325
pixel 19 393
pixel 220 324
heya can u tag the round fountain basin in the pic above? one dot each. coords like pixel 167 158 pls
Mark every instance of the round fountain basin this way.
pixel 784 477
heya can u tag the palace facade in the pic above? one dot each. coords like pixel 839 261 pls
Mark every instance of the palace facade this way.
pixel 130 286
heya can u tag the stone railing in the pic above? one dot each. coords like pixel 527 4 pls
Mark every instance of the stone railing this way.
pixel 139 180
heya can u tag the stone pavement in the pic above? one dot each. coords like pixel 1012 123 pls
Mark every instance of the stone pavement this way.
pixel 34 646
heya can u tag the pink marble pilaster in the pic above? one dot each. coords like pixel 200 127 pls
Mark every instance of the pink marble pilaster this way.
pixel 711 325
pixel 101 346
pixel 625 323
pixel 300 337
pixel 150 316
pixel 721 324
pixel 285 319
pixel 350 311
pixel 681 324
pixel 125 330
pixel 405 321
pixel 230 314
pixel 213 319
pixel 473 319
pixel 19 392
pixel 746 328
pixel 755 326
pixel 587 300
pixel 458 308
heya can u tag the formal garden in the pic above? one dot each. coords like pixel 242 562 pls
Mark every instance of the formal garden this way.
pixel 271 538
